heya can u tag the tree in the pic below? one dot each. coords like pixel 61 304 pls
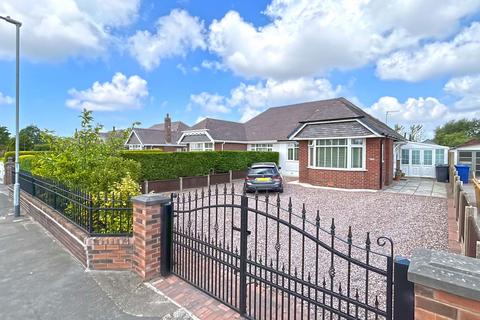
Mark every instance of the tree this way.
pixel 28 138
pixel 456 132
pixel 416 132
pixel 87 162
pixel 399 129
pixel 4 136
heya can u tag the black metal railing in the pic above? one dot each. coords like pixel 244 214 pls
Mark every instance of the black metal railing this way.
pixel 100 214
pixel 266 261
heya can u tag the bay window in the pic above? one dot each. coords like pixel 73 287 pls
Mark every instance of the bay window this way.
pixel 337 153
pixel 201 146
pixel 292 152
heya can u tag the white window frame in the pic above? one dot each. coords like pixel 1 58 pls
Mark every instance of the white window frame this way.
pixel 437 153
pixel 135 147
pixel 407 159
pixel 266 147
pixel 294 148
pixel 201 146
pixel 312 154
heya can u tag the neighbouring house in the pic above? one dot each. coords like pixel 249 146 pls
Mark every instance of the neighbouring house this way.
pixel 162 136
pixel 418 159
pixel 469 154
pixel 328 143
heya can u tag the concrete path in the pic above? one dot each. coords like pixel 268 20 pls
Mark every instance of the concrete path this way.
pixel 418 187
pixel 41 280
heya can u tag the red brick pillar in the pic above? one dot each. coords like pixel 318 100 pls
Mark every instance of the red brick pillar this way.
pixel 149 221
pixel 8 177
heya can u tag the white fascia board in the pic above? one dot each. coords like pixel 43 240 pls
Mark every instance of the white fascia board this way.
pixel 349 137
pixel 424 145
pixel 139 140
pixel 292 136
pixel 195 132
pixel 371 130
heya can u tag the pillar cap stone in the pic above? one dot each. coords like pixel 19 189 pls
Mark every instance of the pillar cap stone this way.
pixel 444 271
pixel 151 199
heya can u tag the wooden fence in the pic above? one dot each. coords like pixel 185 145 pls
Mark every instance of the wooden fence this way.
pixel 466 215
pixel 182 183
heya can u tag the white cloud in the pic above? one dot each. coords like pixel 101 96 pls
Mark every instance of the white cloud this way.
pixel 456 57
pixel 251 99
pixel 175 35
pixel 429 111
pixel 210 102
pixel 56 29
pixel 5 99
pixel 213 65
pixel 467 89
pixel 120 94
pixel 310 37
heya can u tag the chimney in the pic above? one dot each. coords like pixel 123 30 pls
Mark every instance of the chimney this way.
pixel 168 129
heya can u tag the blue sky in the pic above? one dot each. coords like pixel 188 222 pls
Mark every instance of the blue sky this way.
pixel 233 59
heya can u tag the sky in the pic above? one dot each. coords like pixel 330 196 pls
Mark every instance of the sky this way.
pixel 132 60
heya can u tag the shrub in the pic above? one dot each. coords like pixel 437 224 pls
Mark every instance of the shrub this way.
pixel 9 154
pixel 26 162
pixel 85 161
pixel 41 147
pixel 157 165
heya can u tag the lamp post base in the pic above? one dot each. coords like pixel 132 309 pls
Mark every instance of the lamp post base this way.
pixel 16 199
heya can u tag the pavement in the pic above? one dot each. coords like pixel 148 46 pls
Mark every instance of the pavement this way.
pixel 41 280
pixel 418 187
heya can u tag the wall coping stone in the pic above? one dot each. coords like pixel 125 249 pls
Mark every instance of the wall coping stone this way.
pixel 151 199
pixel 449 272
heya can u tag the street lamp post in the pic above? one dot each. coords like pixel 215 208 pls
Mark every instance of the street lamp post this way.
pixel 16 187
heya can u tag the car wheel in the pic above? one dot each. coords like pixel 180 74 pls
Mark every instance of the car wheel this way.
pixel 280 190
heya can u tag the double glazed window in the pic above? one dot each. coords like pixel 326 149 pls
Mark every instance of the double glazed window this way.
pixel 135 147
pixel 292 152
pixel 336 153
pixel 261 147
pixel 405 156
pixel 201 146
pixel 439 156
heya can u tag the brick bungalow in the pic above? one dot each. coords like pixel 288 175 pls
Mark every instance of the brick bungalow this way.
pixel 162 136
pixel 330 143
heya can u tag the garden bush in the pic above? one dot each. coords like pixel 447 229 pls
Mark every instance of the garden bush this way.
pixel 157 165
pixel 26 162
pixel 9 154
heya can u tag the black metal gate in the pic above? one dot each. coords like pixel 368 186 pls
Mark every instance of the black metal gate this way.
pixel 268 262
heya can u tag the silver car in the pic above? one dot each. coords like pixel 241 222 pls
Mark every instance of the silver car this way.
pixel 263 176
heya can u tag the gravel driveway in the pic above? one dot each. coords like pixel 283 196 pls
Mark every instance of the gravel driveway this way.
pixel 410 221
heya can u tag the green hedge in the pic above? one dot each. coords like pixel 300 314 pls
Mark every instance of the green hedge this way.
pixel 9 154
pixel 26 162
pixel 156 165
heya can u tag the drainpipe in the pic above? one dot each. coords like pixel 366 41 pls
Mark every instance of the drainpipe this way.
pixel 381 163
pixel 223 145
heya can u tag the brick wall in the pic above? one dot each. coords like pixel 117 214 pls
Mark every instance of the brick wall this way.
pixel 431 304
pixel 230 146
pixel 95 253
pixel 109 253
pixel 369 179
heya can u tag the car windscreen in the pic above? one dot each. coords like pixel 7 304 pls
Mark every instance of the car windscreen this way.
pixel 262 171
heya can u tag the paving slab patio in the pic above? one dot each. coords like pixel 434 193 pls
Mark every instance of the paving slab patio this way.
pixel 418 187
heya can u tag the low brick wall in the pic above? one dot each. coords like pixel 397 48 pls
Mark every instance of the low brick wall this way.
pixel 447 285
pixel 109 253
pixel 95 253
pixel 437 304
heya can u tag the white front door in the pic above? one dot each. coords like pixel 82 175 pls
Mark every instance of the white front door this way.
pixel 416 163
pixel 428 169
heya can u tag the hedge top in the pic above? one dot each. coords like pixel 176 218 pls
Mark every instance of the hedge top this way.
pixel 157 165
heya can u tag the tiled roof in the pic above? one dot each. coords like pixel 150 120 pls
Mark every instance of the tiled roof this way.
pixel 278 123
